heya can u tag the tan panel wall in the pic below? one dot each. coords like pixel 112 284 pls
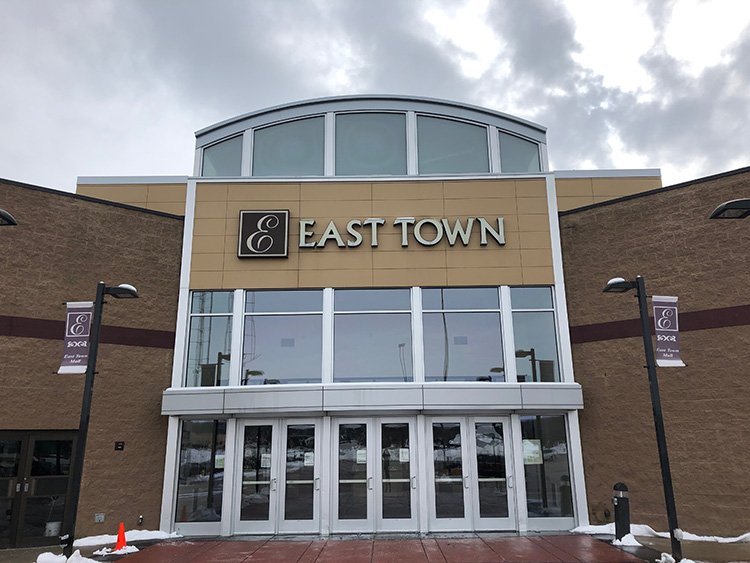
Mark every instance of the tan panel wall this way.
pixel 526 257
pixel 167 198
pixel 579 192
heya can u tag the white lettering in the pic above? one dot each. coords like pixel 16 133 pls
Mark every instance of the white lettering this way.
pixel 304 233
pixel 418 232
pixel 350 229
pixel 331 233
pixel 260 241
pixel 404 221
pixel 458 231
pixel 374 226
pixel 485 227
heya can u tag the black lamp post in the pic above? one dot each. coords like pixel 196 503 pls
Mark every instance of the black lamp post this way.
pixel 122 291
pixel 6 219
pixel 735 209
pixel 620 285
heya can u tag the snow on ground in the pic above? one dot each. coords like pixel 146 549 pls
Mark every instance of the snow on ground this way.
pixel 52 558
pixel 667 558
pixel 109 551
pixel 130 536
pixel 627 540
pixel 643 530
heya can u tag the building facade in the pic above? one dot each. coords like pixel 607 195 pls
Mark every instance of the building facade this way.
pixel 372 330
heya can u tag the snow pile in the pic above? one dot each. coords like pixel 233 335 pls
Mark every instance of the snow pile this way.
pixel 52 558
pixel 667 558
pixel 109 551
pixel 648 531
pixel 627 540
pixel 130 536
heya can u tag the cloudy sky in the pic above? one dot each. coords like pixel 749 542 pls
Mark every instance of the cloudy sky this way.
pixel 104 87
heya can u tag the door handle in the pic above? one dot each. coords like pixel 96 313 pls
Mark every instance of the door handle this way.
pixel 466 482
pixel 317 483
pixel 25 487
pixel 273 484
pixel 414 482
pixel 510 481
pixel 369 483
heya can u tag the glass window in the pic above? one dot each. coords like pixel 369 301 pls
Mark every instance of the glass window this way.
pixel 370 144
pixel 372 300
pixel 224 158
pixel 536 347
pixel 518 155
pixel 531 297
pixel 546 469
pixel 283 301
pixel 294 148
pixel 201 473
pixel 460 298
pixel 212 302
pixel 51 457
pixel 282 349
pixel 372 347
pixel 463 347
pixel 209 351
pixel 446 146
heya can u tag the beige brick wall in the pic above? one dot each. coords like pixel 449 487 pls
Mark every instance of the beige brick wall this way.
pixel 167 198
pixel 579 192
pixel 526 257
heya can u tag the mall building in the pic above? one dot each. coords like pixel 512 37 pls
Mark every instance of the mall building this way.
pixel 372 332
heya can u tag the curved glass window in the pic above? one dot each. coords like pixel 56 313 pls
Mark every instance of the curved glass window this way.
pixel 518 155
pixel 370 144
pixel 294 148
pixel 451 147
pixel 224 158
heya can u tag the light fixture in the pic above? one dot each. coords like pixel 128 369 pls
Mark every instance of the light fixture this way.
pixel 618 285
pixel 122 291
pixel 6 218
pixel 735 209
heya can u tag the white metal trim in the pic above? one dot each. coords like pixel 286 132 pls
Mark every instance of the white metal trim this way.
pixel 327 336
pixel 578 479
pixel 247 153
pixel 329 145
pixel 168 496
pixel 417 334
pixel 610 173
pixel 228 494
pixel 494 145
pixel 412 154
pixel 114 180
pixel 519 474
pixel 506 326
pixel 238 322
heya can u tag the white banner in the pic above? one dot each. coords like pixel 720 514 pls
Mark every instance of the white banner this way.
pixel 77 331
pixel 667 332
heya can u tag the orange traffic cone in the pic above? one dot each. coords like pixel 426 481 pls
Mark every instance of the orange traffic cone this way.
pixel 121 538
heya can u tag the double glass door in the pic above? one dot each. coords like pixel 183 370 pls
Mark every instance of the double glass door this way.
pixel 471 474
pixel 375 475
pixel 279 476
pixel 34 482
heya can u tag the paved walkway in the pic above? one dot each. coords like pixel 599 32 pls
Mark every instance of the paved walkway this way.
pixel 529 549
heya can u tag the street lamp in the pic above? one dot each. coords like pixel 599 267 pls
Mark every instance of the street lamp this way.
pixel 620 285
pixel 6 219
pixel 735 209
pixel 122 291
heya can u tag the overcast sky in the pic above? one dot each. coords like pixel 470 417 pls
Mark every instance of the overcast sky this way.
pixel 117 88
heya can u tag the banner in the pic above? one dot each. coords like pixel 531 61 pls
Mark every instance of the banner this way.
pixel 77 331
pixel 667 331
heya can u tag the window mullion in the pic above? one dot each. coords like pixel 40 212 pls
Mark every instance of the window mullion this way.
pixel 327 364
pixel 417 348
pixel 238 321
pixel 509 347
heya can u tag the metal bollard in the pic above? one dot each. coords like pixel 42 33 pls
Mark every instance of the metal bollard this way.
pixel 622 510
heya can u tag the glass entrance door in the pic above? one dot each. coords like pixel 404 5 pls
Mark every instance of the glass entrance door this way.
pixel 375 479
pixel 471 474
pixel 279 477
pixel 34 482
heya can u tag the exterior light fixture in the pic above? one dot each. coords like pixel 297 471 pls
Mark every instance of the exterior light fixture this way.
pixel 122 291
pixel 6 219
pixel 621 285
pixel 735 209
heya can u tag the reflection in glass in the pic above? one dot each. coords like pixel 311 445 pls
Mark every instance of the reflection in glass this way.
pixel 370 144
pixel 282 349
pixel 531 297
pixel 51 457
pixel 449 483
pixel 446 146
pixel 372 300
pixel 493 492
pixel 224 158
pixel 460 298
pixel 352 471
pixel 294 148
pixel 256 473
pixel 9 460
pixel 463 347
pixel 374 347
pixel 546 468
pixel 518 155
pixel 300 472
pixel 284 301
pixel 10 451
pixel 212 302
pixel 201 473
pixel 396 461
pixel 209 350
pixel 536 347
pixel 43 513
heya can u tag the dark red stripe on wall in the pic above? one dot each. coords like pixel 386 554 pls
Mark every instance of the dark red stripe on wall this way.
pixel 25 327
pixel 693 320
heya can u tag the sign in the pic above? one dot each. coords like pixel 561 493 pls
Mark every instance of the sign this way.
pixel 667 332
pixel 264 234
pixel 77 331
pixel 309 459
pixel 361 456
pixel 532 452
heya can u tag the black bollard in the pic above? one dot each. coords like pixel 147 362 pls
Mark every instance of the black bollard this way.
pixel 622 510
